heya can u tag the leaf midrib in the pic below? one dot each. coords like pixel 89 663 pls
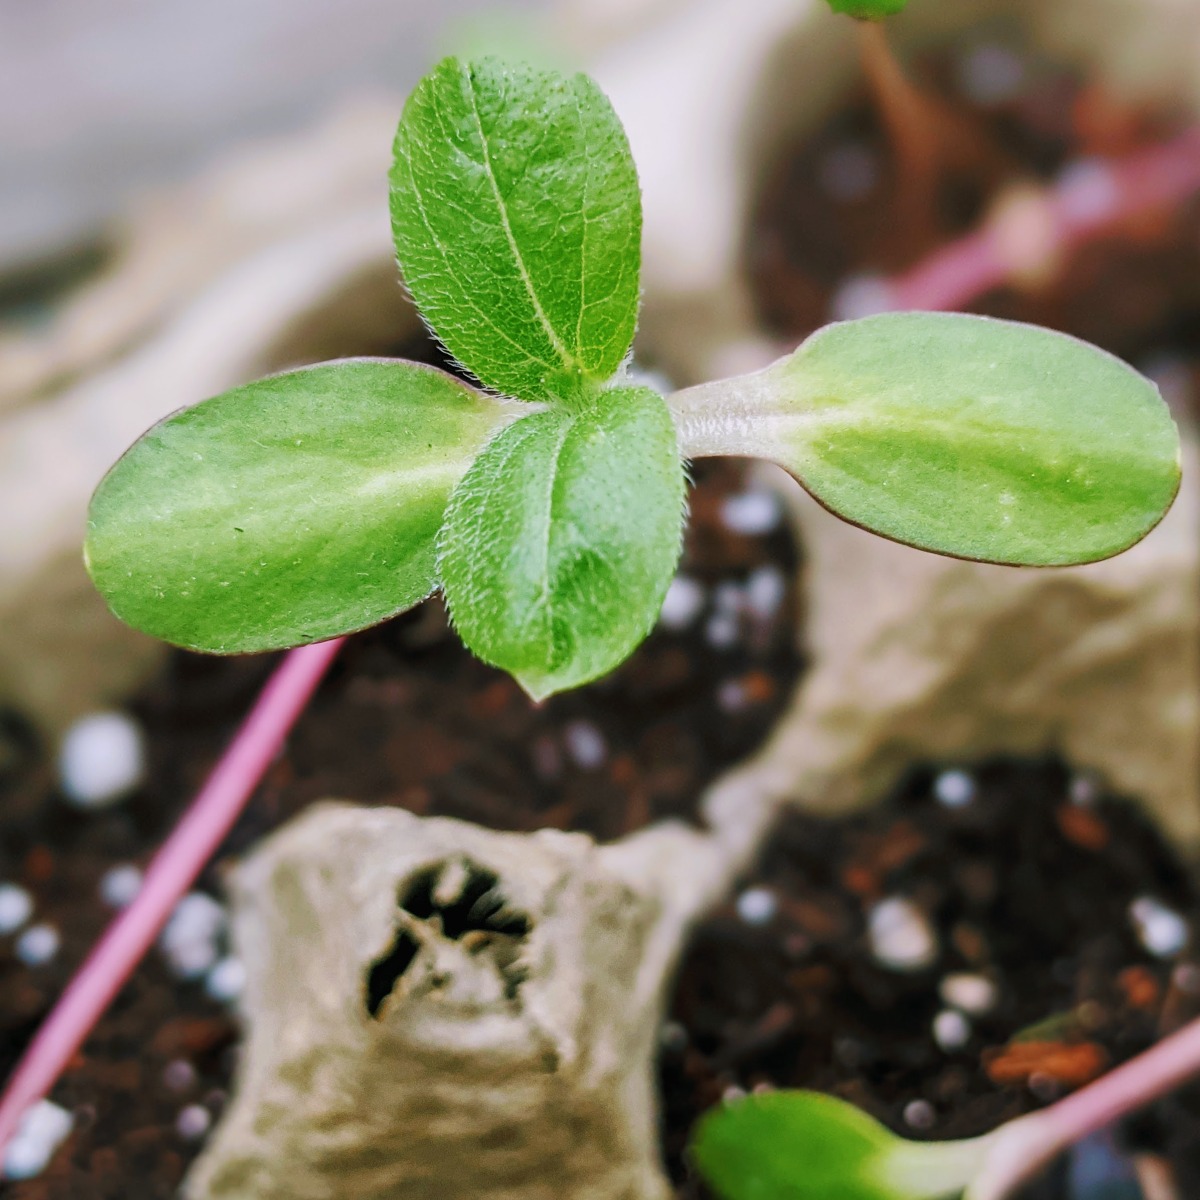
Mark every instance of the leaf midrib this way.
pixel 484 316
pixel 552 476
pixel 568 360
pixel 807 425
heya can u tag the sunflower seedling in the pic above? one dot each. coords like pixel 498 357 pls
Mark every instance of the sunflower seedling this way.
pixel 547 499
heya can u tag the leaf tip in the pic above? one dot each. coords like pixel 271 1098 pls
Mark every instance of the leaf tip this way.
pixel 537 687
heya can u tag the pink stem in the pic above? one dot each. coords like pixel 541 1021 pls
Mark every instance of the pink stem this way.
pixel 174 869
pixel 1025 1146
pixel 1093 198
pixel 1139 1081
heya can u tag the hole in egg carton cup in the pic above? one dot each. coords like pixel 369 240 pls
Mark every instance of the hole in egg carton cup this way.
pixel 436 956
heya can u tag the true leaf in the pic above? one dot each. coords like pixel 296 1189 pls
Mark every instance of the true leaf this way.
pixel 562 538
pixel 805 1146
pixel 972 437
pixel 517 220
pixel 293 509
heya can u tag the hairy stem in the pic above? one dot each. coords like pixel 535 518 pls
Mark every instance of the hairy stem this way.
pixel 174 869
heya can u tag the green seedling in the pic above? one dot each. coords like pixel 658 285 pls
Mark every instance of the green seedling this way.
pixel 807 1146
pixel 547 500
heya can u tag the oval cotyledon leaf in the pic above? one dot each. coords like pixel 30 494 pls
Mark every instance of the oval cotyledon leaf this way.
pixel 795 1145
pixel 296 508
pixel 965 435
pixel 562 538
pixel 517 220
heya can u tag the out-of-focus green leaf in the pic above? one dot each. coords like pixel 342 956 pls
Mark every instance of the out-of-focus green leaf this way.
pixel 805 1146
pixel 290 510
pixel 562 538
pixel 972 437
pixel 517 219
pixel 868 10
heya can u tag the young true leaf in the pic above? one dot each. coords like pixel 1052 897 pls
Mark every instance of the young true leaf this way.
pixel 517 219
pixel 293 509
pixel 868 10
pixel 806 1146
pixel 973 437
pixel 562 538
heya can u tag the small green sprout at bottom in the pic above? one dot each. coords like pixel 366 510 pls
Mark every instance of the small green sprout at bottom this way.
pixel 806 1146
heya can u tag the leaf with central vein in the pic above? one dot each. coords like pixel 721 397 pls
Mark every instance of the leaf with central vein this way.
pixel 290 510
pixel 517 220
pixel 562 538
pixel 978 438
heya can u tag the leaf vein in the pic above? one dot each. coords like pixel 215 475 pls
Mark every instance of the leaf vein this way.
pixel 439 245
pixel 568 360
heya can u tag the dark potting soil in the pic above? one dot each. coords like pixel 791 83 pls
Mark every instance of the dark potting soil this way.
pixel 1028 885
pixel 406 717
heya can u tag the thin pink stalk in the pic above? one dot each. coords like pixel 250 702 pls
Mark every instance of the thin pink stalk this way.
pixel 1094 197
pixel 1141 1080
pixel 1022 1148
pixel 174 869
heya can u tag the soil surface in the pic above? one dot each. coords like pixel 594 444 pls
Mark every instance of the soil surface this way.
pixel 406 717
pixel 1028 886
pixel 1029 881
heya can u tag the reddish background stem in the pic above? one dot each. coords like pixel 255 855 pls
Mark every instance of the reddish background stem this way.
pixel 1083 204
pixel 1024 1147
pixel 913 129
